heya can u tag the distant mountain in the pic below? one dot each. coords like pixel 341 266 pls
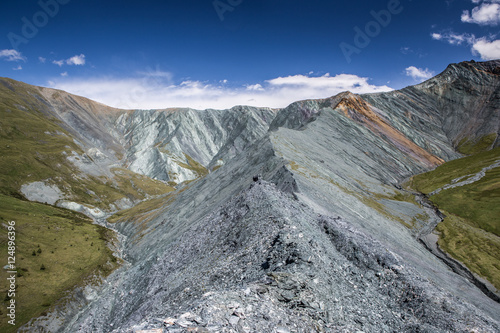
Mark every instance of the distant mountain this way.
pixel 260 220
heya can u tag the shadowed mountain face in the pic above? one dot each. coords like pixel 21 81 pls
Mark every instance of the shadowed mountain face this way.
pixel 296 221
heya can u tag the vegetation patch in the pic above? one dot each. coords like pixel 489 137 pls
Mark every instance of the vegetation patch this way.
pixel 139 186
pixel 478 203
pixel 216 167
pixel 477 249
pixel 192 165
pixel 470 232
pixel 142 212
pixel 445 173
pixel 32 147
pixel 56 250
pixel 469 147
pixel 146 211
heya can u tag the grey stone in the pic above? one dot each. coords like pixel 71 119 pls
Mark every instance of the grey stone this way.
pixel 42 192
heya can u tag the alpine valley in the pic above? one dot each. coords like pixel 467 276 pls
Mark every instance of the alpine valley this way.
pixel 355 213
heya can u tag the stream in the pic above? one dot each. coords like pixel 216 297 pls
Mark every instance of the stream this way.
pixel 429 239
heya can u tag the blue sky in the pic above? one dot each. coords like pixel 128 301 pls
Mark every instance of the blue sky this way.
pixel 216 54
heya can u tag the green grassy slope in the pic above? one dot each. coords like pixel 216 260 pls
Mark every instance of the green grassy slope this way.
pixel 470 147
pixel 72 250
pixel 471 230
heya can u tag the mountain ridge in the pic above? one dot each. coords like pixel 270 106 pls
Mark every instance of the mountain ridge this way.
pixel 330 168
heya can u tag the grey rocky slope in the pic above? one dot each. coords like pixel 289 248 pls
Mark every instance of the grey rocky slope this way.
pixel 460 104
pixel 323 242
pixel 160 142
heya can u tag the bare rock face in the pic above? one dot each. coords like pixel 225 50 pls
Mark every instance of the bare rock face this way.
pixel 182 144
pixel 296 222
pixel 461 103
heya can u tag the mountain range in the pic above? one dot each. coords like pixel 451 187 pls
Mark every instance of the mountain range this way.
pixel 354 213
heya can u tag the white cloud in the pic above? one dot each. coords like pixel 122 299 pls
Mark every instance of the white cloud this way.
pixel 58 62
pixel 322 84
pixel 42 59
pixel 486 49
pixel 436 36
pixel 18 68
pixel 149 93
pixel 11 55
pixel 453 38
pixel 419 73
pixel 256 87
pixel 78 60
pixel 487 13
pixel 64 74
